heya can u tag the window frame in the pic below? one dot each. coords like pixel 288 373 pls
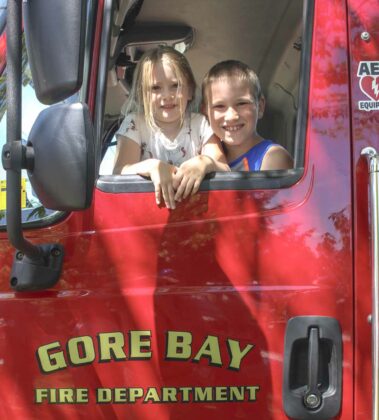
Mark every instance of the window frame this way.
pixel 273 179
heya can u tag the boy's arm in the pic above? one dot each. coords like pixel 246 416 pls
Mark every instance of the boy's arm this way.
pixel 276 158
pixel 127 161
pixel 188 178
pixel 214 151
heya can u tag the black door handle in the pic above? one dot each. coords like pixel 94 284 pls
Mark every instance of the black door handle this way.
pixel 312 397
pixel 312 368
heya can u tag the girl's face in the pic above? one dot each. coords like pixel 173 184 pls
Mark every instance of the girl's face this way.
pixel 169 101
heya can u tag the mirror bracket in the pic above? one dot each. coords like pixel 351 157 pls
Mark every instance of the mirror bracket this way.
pixel 17 156
pixel 36 267
pixel 29 274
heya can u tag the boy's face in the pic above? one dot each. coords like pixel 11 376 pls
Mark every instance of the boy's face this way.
pixel 233 113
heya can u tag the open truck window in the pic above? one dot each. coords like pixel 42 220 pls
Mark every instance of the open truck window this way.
pixel 276 52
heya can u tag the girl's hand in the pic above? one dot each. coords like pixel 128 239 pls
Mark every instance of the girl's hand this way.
pixel 128 161
pixel 161 173
pixel 188 177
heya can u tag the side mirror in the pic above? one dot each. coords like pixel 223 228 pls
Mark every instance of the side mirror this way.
pixel 60 154
pixel 55 34
pixel 63 170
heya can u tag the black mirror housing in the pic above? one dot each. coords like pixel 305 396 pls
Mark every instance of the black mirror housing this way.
pixel 63 173
pixel 55 35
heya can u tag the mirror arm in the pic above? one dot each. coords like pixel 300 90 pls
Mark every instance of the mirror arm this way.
pixel 13 157
pixel 35 267
pixel 12 151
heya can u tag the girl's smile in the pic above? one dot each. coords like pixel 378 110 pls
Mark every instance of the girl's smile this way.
pixel 169 99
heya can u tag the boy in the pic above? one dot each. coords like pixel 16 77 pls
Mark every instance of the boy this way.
pixel 233 102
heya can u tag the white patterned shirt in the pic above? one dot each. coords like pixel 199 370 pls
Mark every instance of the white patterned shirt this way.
pixel 190 141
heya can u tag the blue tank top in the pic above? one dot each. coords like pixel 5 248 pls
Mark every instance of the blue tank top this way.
pixel 252 159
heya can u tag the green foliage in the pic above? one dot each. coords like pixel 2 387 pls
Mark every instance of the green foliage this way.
pixel 26 79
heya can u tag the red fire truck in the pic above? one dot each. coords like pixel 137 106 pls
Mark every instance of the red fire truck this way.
pixel 256 297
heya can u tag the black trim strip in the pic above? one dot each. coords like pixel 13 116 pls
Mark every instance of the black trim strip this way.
pixel 266 180
pixel 305 75
pixel 101 88
pixel 92 6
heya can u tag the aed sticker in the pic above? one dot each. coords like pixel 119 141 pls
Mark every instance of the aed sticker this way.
pixel 368 73
pixel 112 347
pixel 3 194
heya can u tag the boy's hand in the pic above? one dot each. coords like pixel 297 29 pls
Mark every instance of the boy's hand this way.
pixel 162 176
pixel 188 177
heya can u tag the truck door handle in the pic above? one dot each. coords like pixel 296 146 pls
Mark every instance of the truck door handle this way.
pixel 312 368
pixel 312 397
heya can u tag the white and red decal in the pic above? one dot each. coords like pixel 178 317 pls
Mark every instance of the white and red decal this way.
pixel 368 73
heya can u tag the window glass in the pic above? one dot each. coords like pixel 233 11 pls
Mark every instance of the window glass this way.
pixel 106 167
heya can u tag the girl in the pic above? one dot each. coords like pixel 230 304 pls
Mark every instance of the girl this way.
pixel 159 137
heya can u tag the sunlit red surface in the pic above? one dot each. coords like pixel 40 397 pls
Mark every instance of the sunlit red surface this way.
pixel 231 264
pixel 363 17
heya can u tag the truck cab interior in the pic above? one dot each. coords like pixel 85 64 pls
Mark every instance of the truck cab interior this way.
pixel 209 32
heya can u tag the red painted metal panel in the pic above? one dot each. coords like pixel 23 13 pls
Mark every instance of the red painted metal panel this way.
pixel 363 20
pixel 234 265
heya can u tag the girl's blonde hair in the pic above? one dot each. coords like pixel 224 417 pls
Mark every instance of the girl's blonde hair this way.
pixel 139 100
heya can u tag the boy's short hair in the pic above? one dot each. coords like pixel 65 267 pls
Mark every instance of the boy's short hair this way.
pixel 232 68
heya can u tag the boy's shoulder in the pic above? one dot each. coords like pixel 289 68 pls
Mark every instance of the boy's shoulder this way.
pixel 258 149
pixel 251 160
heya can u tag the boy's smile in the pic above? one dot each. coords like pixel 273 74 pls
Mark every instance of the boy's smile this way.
pixel 233 114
